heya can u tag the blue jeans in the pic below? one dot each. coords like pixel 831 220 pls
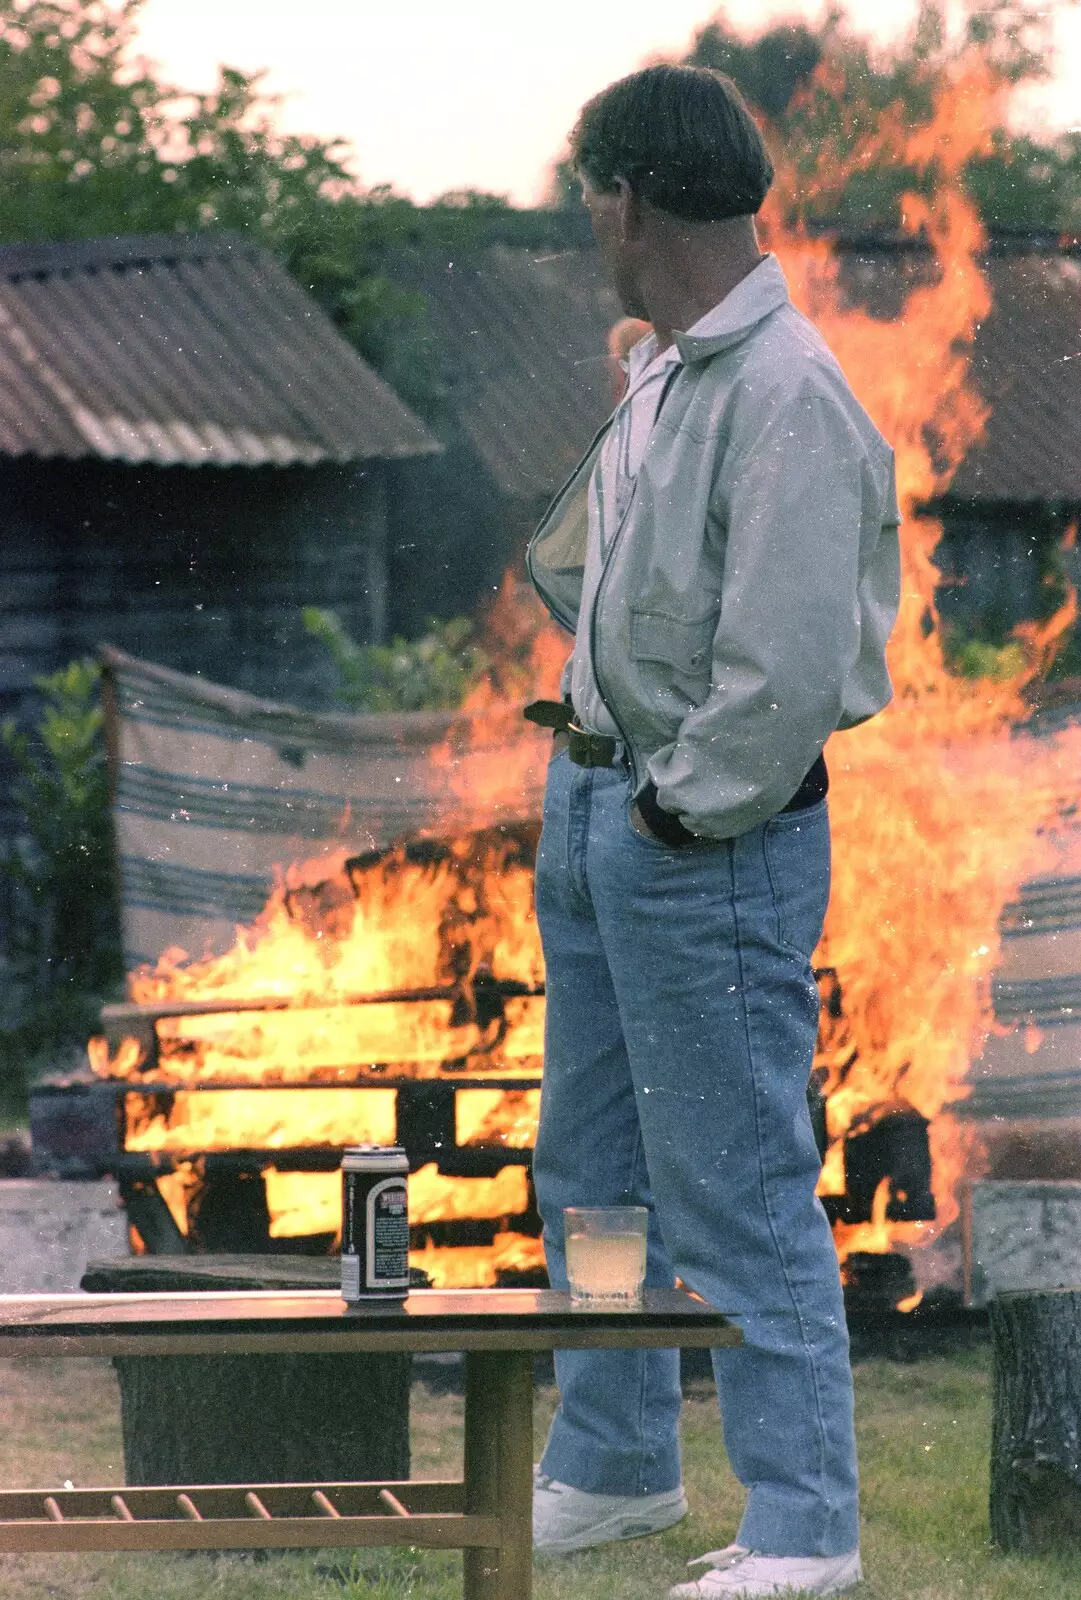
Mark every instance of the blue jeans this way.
pixel 681 1018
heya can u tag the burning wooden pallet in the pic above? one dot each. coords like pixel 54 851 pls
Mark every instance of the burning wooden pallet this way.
pixel 196 1151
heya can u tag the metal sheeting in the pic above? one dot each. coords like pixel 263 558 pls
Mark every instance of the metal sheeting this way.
pixel 1026 363
pixel 183 350
pixel 1021 363
pixel 522 338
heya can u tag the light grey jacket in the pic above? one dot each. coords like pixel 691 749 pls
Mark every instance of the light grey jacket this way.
pixel 744 604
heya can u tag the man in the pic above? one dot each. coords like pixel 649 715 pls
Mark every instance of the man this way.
pixel 726 556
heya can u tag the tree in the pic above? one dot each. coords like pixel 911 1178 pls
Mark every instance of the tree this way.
pixel 823 91
pixel 93 141
pixel 432 673
pixel 769 69
pixel 61 954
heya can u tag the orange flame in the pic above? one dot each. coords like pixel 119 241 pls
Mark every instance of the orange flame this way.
pixel 940 811
pixel 493 760
pixel 334 930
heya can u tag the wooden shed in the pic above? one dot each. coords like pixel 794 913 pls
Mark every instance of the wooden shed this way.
pixel 189 451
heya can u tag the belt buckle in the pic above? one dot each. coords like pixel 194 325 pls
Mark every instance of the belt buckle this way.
pixel 590 749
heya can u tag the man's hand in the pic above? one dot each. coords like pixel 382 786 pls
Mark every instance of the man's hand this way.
pixel 650 821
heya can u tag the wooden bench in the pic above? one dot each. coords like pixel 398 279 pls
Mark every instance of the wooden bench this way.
pixel 487 1515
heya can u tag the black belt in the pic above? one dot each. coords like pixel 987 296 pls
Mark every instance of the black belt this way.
pixel 814 787
pixel 584 748
pixel 587 749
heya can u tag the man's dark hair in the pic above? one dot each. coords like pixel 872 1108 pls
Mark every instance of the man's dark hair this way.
pixel 682 137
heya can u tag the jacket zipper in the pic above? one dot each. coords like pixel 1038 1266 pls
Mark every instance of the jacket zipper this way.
pixel 593 638
pixel 628 746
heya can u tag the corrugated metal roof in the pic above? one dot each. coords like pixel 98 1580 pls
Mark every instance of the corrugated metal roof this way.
pixel 522 338
pixel 1026 362
pixel 186 349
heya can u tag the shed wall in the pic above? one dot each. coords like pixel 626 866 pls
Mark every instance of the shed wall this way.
pixel 203 570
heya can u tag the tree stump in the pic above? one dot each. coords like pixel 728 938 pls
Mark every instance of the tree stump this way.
pixel 250 1419
pixel 1036 1420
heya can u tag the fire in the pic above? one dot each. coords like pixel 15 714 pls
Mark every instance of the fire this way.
pixel 287 1072
pixel 311 1202
pixel 495 761
pixel 305 1203
pixel 495 1116
pixel 335 929
pixel 257 1119
pixel 335 933
pixel 940 810
pixel 478 1266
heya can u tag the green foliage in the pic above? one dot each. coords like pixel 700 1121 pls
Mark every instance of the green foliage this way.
pixel 770 69
pixel 432 673
pixel 90 146
pixel 1023 184
pixel 824 91
pixel 975 658
pixel 62 956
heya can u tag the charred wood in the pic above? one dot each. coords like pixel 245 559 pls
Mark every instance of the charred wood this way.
pixel 230 1212
pixel 150 1216
pixel 894 1147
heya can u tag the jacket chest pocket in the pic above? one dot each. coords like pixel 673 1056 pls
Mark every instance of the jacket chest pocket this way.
pixel 682 643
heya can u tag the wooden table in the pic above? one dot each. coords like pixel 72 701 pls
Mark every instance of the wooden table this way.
pixel 488 1515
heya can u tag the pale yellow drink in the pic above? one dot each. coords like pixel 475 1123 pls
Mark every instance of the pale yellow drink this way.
pixel 606 1267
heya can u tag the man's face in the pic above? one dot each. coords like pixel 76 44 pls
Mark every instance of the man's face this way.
pixel 610 215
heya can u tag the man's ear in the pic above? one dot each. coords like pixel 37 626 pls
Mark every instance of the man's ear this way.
pixel 630 210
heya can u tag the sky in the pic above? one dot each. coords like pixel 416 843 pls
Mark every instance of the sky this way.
pixel 440 95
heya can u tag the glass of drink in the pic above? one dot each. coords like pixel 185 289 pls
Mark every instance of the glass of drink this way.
pixel 606 1256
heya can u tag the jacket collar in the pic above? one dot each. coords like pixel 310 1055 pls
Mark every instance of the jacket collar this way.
pixel 763 290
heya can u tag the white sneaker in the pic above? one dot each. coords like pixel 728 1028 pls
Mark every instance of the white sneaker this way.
pixel 740 1574
pixel 566 1519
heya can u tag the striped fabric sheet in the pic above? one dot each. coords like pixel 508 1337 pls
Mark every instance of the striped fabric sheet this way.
pixel 215 788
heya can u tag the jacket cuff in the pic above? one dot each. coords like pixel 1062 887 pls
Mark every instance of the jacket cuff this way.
pixel 664 824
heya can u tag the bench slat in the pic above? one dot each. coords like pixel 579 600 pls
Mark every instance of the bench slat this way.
pixel 194 1501
pixel 445 1532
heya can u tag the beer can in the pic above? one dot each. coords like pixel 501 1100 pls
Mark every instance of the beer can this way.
pixel 375 1222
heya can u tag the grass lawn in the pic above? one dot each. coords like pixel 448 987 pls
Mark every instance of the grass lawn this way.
pixel 924 1430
